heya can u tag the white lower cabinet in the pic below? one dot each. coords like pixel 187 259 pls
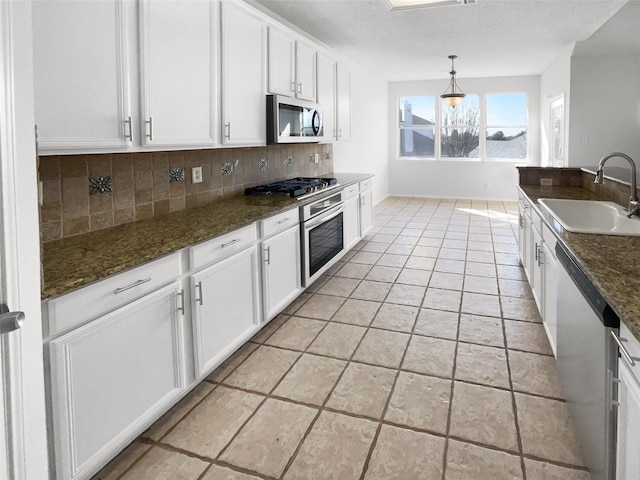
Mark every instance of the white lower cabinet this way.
pixel 112 377
pixel 281 271
pixel 549 286
pixel 226 308
pixel 366 207
pixel 351 216
pixel 628 439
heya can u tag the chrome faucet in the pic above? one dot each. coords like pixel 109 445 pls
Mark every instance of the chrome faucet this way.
pixel 634 205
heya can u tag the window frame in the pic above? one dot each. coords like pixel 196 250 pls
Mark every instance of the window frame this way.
pixel 482 127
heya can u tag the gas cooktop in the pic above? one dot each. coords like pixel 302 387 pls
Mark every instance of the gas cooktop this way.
pixel 295 187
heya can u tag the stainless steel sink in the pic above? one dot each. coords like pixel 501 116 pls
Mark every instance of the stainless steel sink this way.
pixel 590 216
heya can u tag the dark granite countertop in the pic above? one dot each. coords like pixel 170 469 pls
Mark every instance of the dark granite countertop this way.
pixel 74 262
pixel 611 262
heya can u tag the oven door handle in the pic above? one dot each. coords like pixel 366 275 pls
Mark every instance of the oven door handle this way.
pixel 324 216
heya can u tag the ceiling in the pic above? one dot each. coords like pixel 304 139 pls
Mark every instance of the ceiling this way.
pixel 491 37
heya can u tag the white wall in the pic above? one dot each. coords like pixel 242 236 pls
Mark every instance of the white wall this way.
pixel 555 80
pixel 605 108
pixel 495 180
pixel 366 152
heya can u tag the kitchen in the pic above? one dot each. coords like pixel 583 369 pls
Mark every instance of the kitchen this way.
pixel 371 149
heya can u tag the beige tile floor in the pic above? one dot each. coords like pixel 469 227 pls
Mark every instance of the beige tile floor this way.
pixel 419 356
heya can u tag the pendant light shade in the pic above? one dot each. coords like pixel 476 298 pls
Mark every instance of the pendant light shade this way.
pixel 453 96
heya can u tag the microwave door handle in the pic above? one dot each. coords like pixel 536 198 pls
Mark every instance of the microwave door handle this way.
pixel 314 126
pixel 324 217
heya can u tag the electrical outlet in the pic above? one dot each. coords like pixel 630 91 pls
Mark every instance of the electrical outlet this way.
pixel 546 182
pixel 40 193
pixel 196 175
pixel 316 158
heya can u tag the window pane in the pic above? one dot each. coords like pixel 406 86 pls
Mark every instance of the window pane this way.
pixel 506 143
pixel 417 111
pixel 460 142
pixel 465 114
pixel 416 142
pixel 506 109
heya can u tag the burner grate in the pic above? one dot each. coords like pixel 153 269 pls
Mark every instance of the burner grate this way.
pixel 294 187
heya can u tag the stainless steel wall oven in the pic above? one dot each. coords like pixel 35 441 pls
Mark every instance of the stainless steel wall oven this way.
pixel 322 233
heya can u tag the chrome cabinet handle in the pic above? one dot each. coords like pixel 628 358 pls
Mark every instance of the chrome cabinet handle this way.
pixel 232 242
pixel 10 321
pixel 129 134
pixel 133 285
pixel 283 221
pixel 150 134
pixel 227 126
pixel 540 253
pixel 199 298
pixel 623 351
pixel 267 255
pixel 537 253
pixel 293 86
pixel 181 306
pixel 300 87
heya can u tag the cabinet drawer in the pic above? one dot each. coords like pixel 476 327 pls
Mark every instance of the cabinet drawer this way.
pixel 366 185
pixel 76 307
pixel 632 346
pixel 350 191
pixel 279 223
pixel 221 247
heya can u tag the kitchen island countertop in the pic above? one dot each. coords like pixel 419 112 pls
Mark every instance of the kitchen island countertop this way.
pixel 78 261
pixel 611 262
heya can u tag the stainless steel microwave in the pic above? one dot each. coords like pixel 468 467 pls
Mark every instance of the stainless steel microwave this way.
pixel 290 120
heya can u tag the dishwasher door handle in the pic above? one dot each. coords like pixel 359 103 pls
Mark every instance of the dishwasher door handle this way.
pixel 623 351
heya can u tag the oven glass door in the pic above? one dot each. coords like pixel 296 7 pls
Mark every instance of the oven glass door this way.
pixel 325 242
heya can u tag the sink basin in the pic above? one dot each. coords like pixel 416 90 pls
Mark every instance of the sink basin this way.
pixel 589 216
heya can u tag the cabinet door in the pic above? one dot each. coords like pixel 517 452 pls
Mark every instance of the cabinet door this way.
pixel 522 238
pixel 305 71
pixel 343 102
pixel 550 293
pixel 351 222
pixel 281 63
pixel 527 258
pixel 628 449
pixel 281 271
pixel 178 72
pixel 536 268
pixel 111 378
pixel 326 94
pixel 243 91
pixel 225 308
pixel 366 212
pixel 81 75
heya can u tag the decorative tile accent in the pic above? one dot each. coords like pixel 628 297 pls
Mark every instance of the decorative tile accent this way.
pixel 262 164
pixel 227 168
pixel 100 185
pixel 176 175
pixel 288 162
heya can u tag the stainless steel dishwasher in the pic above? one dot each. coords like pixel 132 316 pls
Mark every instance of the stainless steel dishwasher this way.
pixel 587 364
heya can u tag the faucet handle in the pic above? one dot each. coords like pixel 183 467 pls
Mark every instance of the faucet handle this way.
pixel 599 176
pixel 634 207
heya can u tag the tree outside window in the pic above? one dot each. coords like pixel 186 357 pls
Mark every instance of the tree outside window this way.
pixel 460 133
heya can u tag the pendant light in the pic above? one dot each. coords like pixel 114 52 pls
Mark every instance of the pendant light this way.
pixel 453 96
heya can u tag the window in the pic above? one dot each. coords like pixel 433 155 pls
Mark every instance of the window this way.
pixel 490 126
pixel 417 117
pixel 506 125
pixel 460 136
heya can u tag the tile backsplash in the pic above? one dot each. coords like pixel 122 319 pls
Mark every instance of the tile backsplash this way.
pixel 83 193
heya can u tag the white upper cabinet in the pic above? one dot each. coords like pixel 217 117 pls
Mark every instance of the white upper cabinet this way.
pixel 292 66
pixel 178 67
pixel 327 93
pixel 243 91
pixel 306 71
pixel 343 102
pixel 81 75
